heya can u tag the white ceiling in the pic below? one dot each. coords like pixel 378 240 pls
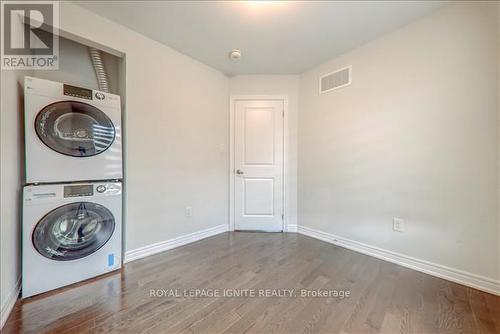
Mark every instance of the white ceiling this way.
pixel 275 38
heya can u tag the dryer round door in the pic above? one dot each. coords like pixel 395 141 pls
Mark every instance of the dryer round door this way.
pixel 73 231
pixel 75 128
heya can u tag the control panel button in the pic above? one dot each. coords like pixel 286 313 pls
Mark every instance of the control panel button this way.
pixel 101 188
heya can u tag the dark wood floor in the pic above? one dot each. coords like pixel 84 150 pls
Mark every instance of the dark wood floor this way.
pixel 384 298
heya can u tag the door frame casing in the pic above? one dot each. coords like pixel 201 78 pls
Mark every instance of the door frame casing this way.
pixel 273 97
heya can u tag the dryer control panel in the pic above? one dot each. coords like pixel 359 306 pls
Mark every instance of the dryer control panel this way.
pixel 60 91
pixel 80 92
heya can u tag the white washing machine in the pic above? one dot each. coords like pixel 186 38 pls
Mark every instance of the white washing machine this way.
pixel 71 232
pixel 71 133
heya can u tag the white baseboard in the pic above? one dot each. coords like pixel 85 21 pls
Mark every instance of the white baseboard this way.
pixel 292 228
pixel 9 303
pixel 162 246
pixel 455 275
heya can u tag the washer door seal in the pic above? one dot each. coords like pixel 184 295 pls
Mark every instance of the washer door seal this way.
pixel 73 231
pixel 75 128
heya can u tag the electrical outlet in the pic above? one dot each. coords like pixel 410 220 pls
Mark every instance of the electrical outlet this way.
pixel 398 225
pixel 189 211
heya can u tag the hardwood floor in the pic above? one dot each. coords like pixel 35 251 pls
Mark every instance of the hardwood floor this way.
pixel 384 297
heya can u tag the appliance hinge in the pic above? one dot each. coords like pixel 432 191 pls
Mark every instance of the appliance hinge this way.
pixel 283 113
pixel 282 216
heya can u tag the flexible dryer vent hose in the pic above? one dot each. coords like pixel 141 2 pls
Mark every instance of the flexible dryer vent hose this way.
pixel 102 80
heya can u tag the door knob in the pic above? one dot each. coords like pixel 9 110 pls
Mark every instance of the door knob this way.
pixel 239 172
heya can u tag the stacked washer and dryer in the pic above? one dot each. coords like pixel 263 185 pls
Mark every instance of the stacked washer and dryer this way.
pixel 72 201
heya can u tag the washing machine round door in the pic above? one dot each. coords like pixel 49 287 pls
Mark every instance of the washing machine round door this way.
pixel 75 128
pixel 73 231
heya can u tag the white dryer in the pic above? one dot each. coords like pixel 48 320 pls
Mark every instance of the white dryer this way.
pixel 71 133
pixel 71 232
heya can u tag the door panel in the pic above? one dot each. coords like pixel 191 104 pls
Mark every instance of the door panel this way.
pixel 258 197
pixel 258 128
pixel 258 161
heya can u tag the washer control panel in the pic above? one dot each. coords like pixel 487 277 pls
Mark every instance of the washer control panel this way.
pixel 101 188
pixel 71 191
pixel 78 190
pixel 106 189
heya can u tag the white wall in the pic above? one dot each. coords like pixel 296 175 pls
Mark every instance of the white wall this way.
pixel 11 176
pixel 277 85
pixel 415 136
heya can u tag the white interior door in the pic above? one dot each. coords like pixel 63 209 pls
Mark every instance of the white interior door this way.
pixel 258 165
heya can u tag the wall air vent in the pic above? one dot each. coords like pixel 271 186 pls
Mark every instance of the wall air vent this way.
pixel 334 80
